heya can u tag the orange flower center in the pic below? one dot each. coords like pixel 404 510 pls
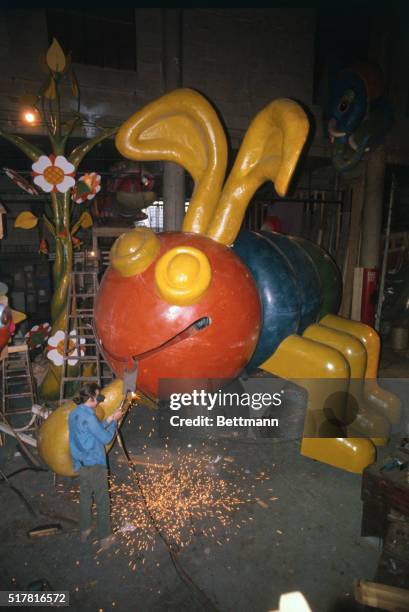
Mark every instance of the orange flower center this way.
pixel 70 347
pixel 54 175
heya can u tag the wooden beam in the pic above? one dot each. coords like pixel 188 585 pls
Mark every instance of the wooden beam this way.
pixel 381 596
pixel 358 196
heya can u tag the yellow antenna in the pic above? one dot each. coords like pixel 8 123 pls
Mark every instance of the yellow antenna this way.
pixel 270 151
pixel 181 127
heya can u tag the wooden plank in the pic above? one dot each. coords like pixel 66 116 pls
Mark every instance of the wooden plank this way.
pixel 18 348
pixel 381 596
pixel 357 294
pixel 358 196
pixel 345 222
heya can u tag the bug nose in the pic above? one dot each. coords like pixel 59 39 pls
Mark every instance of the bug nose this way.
pixel 182 275
pixel 133 252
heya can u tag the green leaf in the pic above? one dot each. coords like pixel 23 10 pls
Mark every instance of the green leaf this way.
pixel 78 154
pixel 74 85
pixel 68 125
pixel 26 220
pixel 55 57
pixel 50 90
pixel 85 221
pixel 29 149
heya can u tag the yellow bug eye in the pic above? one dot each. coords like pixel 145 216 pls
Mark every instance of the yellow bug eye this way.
pixel 133 252
pixel 182 275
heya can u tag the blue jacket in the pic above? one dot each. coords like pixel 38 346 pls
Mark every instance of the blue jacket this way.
pixel 88 436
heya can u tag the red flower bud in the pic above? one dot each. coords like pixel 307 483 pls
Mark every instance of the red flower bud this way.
pixel 43 246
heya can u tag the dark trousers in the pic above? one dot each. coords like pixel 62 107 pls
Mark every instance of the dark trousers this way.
pixel 94 484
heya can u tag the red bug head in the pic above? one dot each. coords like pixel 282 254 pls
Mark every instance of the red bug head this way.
pixel 192 312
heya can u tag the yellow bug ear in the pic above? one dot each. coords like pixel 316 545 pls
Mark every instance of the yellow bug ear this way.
pixel 270 151
pixel 181 127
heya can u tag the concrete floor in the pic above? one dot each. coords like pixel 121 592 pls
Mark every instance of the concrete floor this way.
pixel 307 539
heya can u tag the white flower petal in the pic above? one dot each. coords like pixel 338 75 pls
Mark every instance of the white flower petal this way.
pixel 35 328
pixel 72 362
pixel 41 182
pixel 58 336
pixel 63 163
pixel 55 357
pixel 41 164
pixel 66 184
pixel 82 340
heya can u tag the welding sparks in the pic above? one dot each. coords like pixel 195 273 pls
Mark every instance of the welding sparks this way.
pixel 185 499
pixel 181 495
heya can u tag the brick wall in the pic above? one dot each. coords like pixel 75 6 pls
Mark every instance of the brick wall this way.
pixel 243 59
pixel 240 59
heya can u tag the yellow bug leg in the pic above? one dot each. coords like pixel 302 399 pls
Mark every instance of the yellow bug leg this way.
pixel 385 401
pixel 367 420
pixel 310 362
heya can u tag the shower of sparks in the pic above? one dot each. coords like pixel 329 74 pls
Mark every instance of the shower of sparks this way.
pixel 188 497
pixel 184 493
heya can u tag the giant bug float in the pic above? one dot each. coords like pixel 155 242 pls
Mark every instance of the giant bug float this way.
pixel 208 301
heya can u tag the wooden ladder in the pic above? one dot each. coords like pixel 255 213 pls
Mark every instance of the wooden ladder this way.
pixel 18 389
pixel 79 327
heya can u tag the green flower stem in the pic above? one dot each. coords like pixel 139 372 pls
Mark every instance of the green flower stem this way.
pixel 44 114
pixel 71 127
pixel 62 269
pixel 78 154
pixel 29 149
pixel 58 111
pixel 49 225
pixel 63 260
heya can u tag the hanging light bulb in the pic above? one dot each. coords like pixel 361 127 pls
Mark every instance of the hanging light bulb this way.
pixel 30 116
